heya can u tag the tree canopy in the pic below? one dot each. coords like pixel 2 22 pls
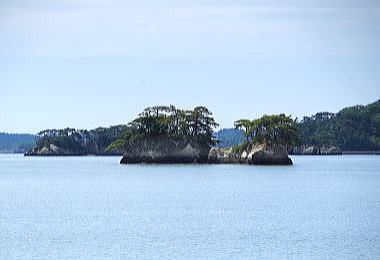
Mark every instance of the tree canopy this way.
pixel 352 129
pixel 81 141
pixel 270 129
pixel 170 121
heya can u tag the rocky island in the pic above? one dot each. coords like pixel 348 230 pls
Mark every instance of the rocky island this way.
pixel 268 141
pixel 170 135
pixel 166 134
pixel 261 154
pixel 73 142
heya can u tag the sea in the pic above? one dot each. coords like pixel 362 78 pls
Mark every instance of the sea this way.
pixel 322 207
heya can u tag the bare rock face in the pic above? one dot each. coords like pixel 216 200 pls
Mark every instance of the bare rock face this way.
pixel 316 150
pixel 330 150
pixel 224 155
pixel 51 150
pixel 261 154
pixel 54 150
pixel 164 149
pixel 264 154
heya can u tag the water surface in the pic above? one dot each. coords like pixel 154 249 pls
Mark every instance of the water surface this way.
pixel 94 208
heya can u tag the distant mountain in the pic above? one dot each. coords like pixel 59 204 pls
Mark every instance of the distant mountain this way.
pixel 16 143
pixel 229 137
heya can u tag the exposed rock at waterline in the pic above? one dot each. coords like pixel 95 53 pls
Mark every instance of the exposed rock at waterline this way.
pixel 165 149
pixel 54 150
pixel 261 154
pixel 316 150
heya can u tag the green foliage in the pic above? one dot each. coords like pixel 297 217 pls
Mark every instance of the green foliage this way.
pixel 118 145
pixel 81 141
pixel 353 129
pixel 272 130
pixel 170 121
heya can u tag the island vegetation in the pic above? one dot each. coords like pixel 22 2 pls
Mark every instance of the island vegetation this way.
pixel 269 129
pixel 354 128
pixel 71 141
pixel 168 124
pixel 267 140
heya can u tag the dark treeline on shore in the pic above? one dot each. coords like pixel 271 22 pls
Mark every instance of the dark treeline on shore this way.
pixel 354 128
pixel 80 142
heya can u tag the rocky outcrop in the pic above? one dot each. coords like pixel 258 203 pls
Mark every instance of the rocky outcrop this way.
pixel 264 154
pixel 54 150
pixel 330 150
pixel 316 150
pixel 164 149
pixel 261 154
pixel 224 155
pixel 51 150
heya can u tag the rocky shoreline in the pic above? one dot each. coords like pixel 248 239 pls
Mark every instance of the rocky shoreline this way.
pixel 163 149
pixel 188 150
pixel 53 150
pixel 171 150
pixel 261 154
pixel 316 150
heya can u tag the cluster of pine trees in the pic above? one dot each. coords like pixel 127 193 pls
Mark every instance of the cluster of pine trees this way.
pixel 270 129
pixel 81 141
pixel 171 121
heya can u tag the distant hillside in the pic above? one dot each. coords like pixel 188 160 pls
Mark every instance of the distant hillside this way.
pixel 16 143
pixel 354 128
pixel 229 137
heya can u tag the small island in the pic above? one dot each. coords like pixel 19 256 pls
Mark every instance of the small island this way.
pixel 165 134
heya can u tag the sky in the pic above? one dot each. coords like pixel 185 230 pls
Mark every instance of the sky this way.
pixel 90 63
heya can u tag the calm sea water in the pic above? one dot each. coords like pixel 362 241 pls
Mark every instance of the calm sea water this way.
pixel 94 208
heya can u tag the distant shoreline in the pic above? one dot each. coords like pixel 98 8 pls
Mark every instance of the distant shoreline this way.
pixel 362 152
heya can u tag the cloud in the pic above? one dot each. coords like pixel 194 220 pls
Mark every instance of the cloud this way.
pixel 190 29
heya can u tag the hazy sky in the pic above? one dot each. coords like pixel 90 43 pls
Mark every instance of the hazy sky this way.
pixel 89 63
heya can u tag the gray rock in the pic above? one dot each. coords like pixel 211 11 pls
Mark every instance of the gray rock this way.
pixel 264 154
pixel 315 150
pixel 259 154
pixel 164 149
pixel 330 150
pixel 224 155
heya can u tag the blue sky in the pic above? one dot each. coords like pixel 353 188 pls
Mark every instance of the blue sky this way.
pixel 89 63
